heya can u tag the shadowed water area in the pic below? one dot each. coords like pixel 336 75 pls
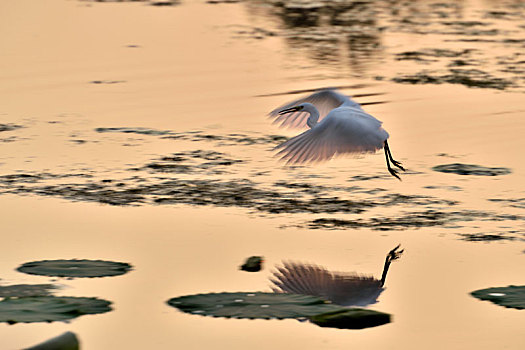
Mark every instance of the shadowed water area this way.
pixel 137 131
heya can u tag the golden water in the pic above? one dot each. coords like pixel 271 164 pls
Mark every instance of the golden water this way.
pixel 191 70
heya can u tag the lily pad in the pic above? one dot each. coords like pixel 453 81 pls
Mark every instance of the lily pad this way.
pixel 65 341
pixel 354 318
pixel 26 290
pixel 470 169
pixel 511 296
pixel 75 268
pixel 49 308
pixel 253 305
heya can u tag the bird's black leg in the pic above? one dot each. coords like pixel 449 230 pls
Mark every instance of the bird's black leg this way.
pixel 395 162
pixel 392 171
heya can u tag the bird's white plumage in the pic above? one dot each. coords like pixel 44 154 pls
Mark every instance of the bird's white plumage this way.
pixel 324 100
pixel 347 289
pixel 343 130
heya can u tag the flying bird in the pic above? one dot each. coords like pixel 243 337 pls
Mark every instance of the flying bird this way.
pixel 346 289
pixel 338 125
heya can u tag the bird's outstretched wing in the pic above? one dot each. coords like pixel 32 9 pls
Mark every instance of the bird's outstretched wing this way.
pixel 324 100
pixel 344 130
pixel 340 288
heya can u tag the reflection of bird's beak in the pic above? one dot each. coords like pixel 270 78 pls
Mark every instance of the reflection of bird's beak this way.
pixel 290 110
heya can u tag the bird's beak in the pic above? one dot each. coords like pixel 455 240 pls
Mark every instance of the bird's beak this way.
pixel 290 110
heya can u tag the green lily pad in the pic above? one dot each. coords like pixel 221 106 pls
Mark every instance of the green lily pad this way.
pixel 511 296
pixel 253 305
pixel 49 308
pixel 354 318
pixel 26 290
pixel 75 268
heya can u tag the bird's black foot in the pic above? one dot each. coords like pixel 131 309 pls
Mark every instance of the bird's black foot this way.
pixel 393 172
pixel 398 164
pixel 395 254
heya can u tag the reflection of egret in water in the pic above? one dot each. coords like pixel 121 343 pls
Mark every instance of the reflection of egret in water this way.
pixel 344 128
pixel 347 289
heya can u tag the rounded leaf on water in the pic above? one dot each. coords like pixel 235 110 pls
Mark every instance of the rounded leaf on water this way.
pixel 75 268
pixel 49 308
pixel 511 296
pixel 253 305
pixel 26 290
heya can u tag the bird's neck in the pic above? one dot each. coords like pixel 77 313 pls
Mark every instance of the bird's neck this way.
pixel 385 270
pixel 314 115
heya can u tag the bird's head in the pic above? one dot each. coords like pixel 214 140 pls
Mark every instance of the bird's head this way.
pixel 292 109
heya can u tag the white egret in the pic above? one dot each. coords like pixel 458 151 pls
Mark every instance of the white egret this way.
pixel 337 124
pixel 347 289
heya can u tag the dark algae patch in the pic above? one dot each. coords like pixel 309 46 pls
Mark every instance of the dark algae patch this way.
pixel 467 77
pixel 49 308
pixel 194 177
pixel 211 162
pixel 197 136
pixel 511 296
pixel 75 268
pixel 9 127
pixel 486 237
pixel 412 220
pixel 511 202
pixel 471 169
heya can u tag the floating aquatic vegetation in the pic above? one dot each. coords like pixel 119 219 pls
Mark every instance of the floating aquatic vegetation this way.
pixel 467 77
pixel 26 290
pixel 107 82
pixel 64 341
pixel 351 319
pixel 511 296
pixel 471 169
pixel 49 308
pixel 214 163
pixel 140 131
pixel 485 237
pixel 165 3
pixel 253 305
pixel 195 136
pixel 75 268
pixel 13 179
pixel 412 220
pixel 434 53
pixel 9 127
pixel 222 1
pixel 511 202
pixel 252 264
